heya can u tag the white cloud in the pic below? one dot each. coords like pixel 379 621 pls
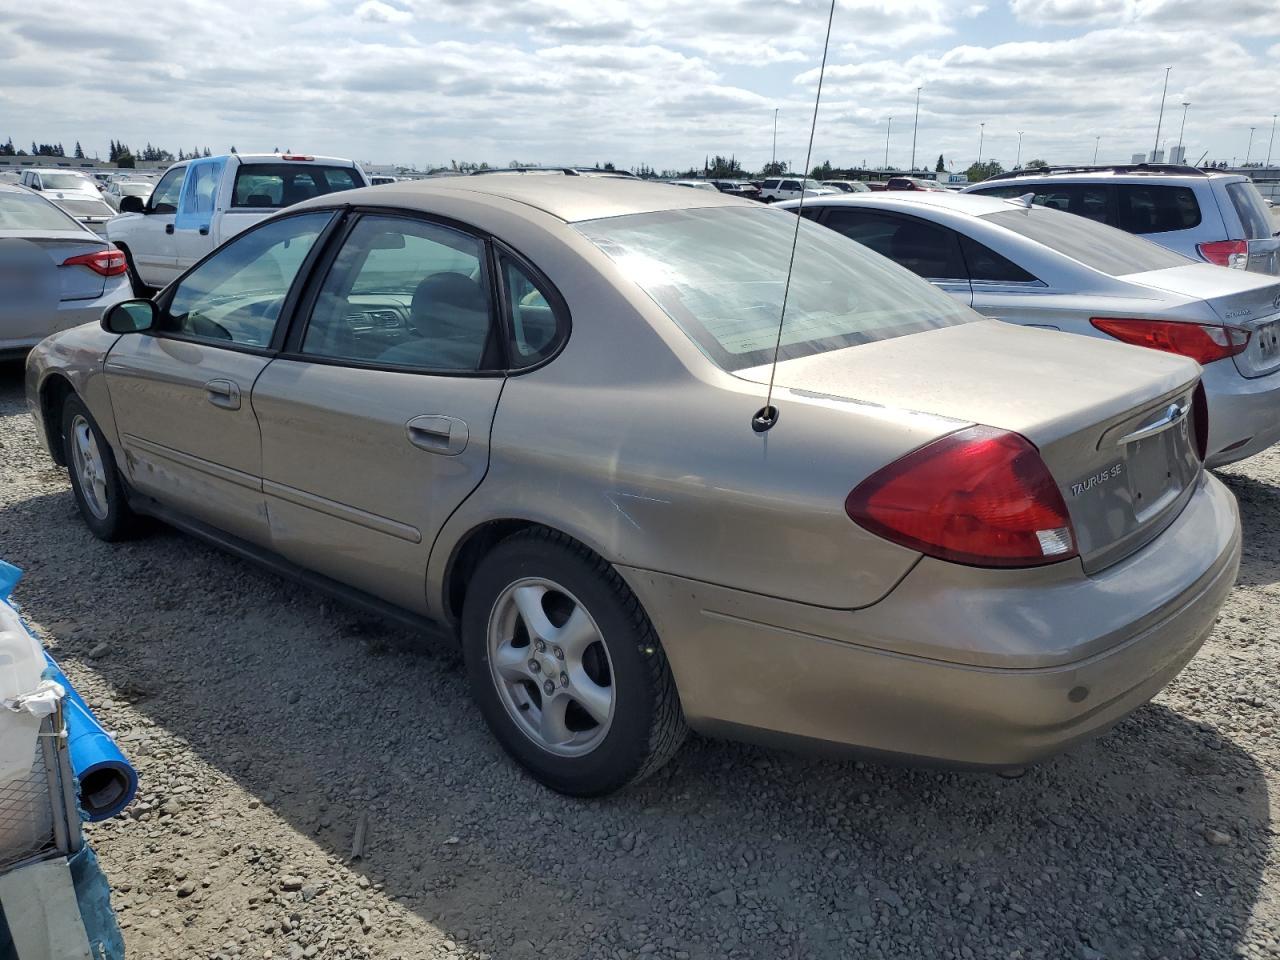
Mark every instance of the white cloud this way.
pixel 375 11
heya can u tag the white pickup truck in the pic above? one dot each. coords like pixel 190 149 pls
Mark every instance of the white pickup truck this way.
pixel 200 203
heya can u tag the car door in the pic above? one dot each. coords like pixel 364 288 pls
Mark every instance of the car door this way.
pixel 181 393
pixel 192 226
pixel 375 422
pixel 149 237
pixel 928 249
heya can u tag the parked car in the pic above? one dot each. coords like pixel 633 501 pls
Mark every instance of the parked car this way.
pixel 694 184
pixel 377 180
pixel 1204 214
pixel 520 408
pixel 912 183
pixel 199 203
pixel 1041 267
pixel 789 188
pixel 119 189
pixel 738 188
pixel 93 212
pixel 54 273
pixel 56 184
pixel 847 186
pixel 877 186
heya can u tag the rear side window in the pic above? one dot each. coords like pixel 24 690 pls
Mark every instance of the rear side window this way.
pixel 1156 208
pixel 267 185
pixel 536 323
pixel 21 211
pixel 985 264
pixel 1091 201
pixel 923 248
pixel 1102 248
pixel 1251 210
pixel 790 184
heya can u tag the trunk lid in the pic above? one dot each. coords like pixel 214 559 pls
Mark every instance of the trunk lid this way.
pixel 1113 423
pixel 75 283
pixel 1250 301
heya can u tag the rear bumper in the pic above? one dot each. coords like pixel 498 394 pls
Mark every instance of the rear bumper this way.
pixel 1244 414
pixel 1094 648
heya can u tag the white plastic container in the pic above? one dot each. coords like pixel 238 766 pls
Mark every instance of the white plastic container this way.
pixel 21 664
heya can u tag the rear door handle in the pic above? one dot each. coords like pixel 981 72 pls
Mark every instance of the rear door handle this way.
pixel 435 434
pixel 168 228
pixel 223 393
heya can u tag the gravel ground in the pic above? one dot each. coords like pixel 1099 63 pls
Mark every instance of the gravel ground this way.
pixel 268 723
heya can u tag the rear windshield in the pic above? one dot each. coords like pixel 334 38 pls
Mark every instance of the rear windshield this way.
pixel 64 181
pixel 1096 245
pixel 22 211
pixel 1251 210
pixel 719 273
pixel 86 208
pixel 284 184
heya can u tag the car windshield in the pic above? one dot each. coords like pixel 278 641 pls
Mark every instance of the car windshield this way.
pixel 64 181
pixel 22 211
pixel 720 273
pixel 86 208
pixel 135 189
pixel 1096 245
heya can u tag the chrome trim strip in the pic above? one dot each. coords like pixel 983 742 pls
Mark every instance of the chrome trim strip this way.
pixel 341 511
pixel 228 474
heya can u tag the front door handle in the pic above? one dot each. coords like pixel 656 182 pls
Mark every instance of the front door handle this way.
pixel 168 228
pixel 223 393
pixel 443 435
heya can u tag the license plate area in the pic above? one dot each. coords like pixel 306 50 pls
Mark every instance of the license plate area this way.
pixel 1159 469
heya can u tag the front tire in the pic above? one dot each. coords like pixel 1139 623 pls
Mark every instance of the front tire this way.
pixel 95 481
pixel 567 668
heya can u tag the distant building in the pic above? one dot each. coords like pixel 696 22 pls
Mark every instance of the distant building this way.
pixel 1138 158
pixel 1157 156
pixel 1178 155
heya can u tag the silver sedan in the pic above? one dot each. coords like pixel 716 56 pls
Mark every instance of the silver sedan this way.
pixel 1041 267
pixel 529 414
pixel 54 273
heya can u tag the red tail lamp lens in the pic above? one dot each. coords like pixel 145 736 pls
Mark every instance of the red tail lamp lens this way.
pixel 1202 342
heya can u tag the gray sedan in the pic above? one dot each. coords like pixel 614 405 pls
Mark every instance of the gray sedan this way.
pixel 1041 267
pixel 54 273
pixel 528 413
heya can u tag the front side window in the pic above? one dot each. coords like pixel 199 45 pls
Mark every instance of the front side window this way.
pixel 286 183
pixel 719 274
pixel 1096 245
pixel 404 292
pixel 202 187
pixel 926 249
pixel 168 191
pixel 235 296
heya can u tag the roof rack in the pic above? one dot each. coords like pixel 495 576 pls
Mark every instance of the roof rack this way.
pixel 1176 169
pixel 567 171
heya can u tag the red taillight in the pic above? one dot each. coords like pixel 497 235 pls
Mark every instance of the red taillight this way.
pixel 108 263
pixel 295 156
pixel 980 496
pixel 1200 420
pixel 1226 253
pixel 1202 342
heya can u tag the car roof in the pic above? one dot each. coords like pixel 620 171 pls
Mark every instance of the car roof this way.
pixel 78 173
pixel 572 199
pixel 1121 173
pixel 972 204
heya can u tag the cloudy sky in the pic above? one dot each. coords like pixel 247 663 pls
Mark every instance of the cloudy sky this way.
pixel 641 81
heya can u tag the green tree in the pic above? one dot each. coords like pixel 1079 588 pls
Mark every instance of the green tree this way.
pixel 79 151
pixel 125 161
pixel 982 171
pixel 1036 165
pixel 822 172
pixel 7 149
pixel 774 168
pixel 941 166
pixel 724 168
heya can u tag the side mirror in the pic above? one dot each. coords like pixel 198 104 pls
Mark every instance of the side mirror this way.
pixel 130 204
pixel 129 316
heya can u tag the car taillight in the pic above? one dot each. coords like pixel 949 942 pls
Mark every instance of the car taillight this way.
pixel 1200 421
pixel 981 497
pixel 108 263
pixel 1226 253
pixel 1202 342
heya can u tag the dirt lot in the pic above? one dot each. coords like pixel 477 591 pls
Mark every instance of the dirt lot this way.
pixel 267 720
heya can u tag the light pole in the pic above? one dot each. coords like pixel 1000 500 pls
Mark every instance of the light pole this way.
pixel 1097 141
pixel 982 129
pixel 774 161
pixel 1183 127
pixel 1160 119
pixel 1017 164
pixel 886 142
pixel 914 130
pixel 1272 143
pixel 1249 150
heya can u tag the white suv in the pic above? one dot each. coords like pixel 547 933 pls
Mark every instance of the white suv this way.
pixel 1217 217
pixel 789 188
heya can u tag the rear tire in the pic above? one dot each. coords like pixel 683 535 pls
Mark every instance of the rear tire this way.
pixel 583 699
pixel 95 481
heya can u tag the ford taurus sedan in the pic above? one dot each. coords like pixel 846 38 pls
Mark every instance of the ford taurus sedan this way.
pixel 1041 267
pixel 525 410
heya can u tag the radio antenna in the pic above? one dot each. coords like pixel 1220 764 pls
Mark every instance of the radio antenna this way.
pixel 767 415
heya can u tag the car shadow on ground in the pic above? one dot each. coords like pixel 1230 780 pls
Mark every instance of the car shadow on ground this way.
pixel 1260 520
pixel 326 715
